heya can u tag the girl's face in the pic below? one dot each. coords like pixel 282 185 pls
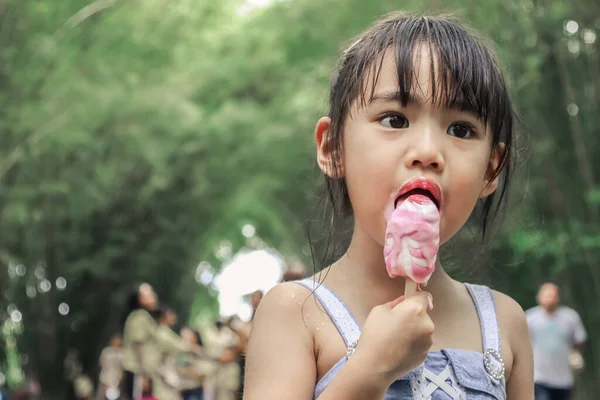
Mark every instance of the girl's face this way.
pixel 385 145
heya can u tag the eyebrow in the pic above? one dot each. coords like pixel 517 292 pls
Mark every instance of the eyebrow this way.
pixel 398 97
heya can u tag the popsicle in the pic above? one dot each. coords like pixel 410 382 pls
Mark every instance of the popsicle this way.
pixel 412 240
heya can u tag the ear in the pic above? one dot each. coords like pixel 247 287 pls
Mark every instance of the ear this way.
pixel 325 152
pixel 490 183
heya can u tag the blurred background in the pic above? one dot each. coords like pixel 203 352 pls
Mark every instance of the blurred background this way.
pixel 171 142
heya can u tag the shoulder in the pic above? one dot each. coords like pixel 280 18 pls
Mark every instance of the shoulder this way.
pixel 510 313
pixel 283 311
pixel 569 314
pixel 517 351
pixel 139 317
pixel 280 358
pixel 568 311
pixel 140 313
pixel 533 310
pixel 285 300
pixel 512 322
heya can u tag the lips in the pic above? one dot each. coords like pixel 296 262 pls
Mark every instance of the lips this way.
pixel 420 187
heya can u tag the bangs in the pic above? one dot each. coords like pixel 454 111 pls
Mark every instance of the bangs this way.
pixel 464 74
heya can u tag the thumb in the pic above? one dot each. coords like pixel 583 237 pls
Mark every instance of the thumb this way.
pixel 424 298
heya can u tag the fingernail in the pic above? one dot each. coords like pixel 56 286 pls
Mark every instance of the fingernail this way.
pixel 430 301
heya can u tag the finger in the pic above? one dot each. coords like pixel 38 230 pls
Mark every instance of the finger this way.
pixel 424 299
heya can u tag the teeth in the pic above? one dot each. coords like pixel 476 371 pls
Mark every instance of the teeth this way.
pixel 389 241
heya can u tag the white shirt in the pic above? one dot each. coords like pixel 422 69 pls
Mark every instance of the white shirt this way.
pixel 553 336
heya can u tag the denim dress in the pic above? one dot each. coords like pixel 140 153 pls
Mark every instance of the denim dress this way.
pixel 448 374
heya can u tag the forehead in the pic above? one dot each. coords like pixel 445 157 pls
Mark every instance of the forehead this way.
pixel 421 85
pixel 549 288
pixel 145 288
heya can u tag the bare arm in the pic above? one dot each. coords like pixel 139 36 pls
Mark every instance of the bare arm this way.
pixel 354 383
pixel 520 382
pixel 281 356
pixel 280 361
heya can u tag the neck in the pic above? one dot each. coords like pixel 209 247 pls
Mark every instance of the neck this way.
pixel 550 310
pixel 363 266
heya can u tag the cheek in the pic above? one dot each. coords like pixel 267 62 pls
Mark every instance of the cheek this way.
pixel 469 172
pixel 464 189
pixel 369 170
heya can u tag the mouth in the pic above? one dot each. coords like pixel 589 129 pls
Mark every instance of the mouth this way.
pixel 423 187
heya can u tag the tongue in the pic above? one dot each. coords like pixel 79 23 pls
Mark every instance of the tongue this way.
pixel 419 199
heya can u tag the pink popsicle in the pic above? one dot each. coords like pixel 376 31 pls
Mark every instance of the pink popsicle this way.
pixel 412 239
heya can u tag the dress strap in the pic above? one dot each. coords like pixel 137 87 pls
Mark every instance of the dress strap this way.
pixel 486 309
pixel 490 332
pixel 340 315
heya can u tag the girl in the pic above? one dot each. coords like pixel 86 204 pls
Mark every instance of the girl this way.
pixel 420 101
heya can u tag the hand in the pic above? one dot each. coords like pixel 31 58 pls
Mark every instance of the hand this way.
pixel 396 337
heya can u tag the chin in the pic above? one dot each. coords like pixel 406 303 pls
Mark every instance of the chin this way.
pixel 448 230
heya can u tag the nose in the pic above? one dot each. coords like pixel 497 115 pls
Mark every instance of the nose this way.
pixel 425 151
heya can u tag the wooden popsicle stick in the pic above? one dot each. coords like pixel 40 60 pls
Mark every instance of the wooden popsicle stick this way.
pixel 410 287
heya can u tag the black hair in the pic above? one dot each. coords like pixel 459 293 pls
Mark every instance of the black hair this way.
pixel 165 310
pixel 132 302
pixel 198 337
pixel 467 76
pixel 196 334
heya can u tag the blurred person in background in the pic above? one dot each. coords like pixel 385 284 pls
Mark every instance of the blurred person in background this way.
pixel 193 369
pixel 111 370
pixel 242 330
pixel 224 383
pixel 167 317
pixel 557 334
pixel 228 375
pixel 138 333
pixel 167 346
pixel 150 344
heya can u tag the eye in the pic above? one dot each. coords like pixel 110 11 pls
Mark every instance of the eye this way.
pixel 461 130
pixel 394 121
